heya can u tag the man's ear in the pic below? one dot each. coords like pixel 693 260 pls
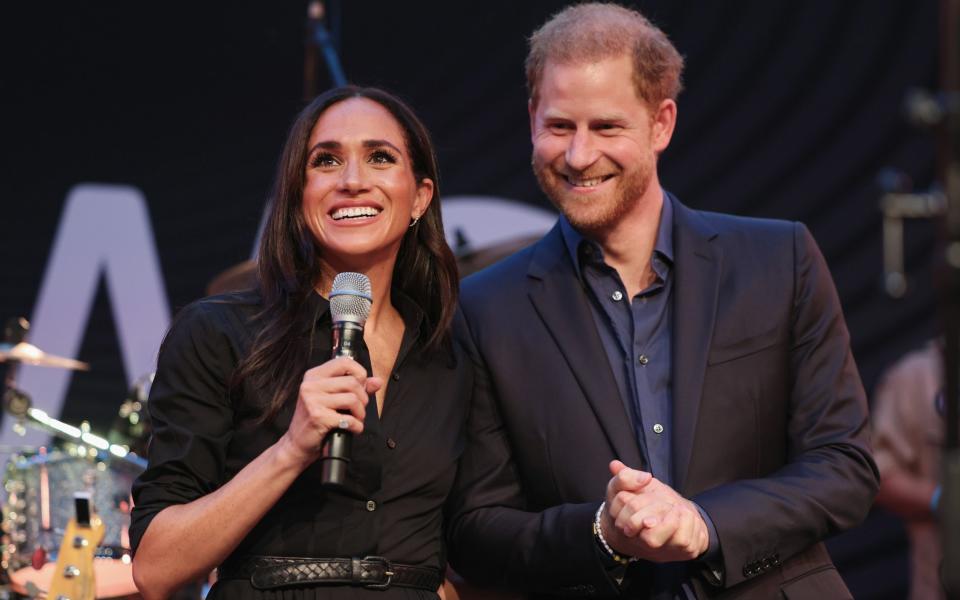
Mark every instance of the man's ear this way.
pixel 532 111
pixel 662 123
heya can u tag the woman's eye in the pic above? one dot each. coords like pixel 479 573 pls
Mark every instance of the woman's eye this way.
pixel 324 159
pixel 382 157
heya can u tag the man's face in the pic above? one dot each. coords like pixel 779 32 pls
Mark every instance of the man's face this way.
pixel 595 143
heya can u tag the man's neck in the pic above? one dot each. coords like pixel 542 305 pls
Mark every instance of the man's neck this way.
pixel 628 246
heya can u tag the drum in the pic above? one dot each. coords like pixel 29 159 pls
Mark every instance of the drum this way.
pixel 39 490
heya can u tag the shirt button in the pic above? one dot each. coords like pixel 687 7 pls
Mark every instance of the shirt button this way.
pixel 391 444
pixel 657 428
pixel 396 376
pixel 371 505
pixel 617 296
pixel 643 359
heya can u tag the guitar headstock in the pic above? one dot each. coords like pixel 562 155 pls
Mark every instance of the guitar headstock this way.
pixel 73 577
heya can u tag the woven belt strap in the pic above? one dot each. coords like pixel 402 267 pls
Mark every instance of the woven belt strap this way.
pixel 268 572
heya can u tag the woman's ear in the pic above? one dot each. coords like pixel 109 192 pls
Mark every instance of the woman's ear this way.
pixel 424 196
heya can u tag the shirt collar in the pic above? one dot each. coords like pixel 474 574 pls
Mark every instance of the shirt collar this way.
pixel 317 311
pixel 577 242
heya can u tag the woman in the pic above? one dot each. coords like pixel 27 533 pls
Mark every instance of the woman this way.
pixel 246 391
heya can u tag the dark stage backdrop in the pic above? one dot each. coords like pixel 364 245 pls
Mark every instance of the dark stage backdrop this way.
pixel 139 142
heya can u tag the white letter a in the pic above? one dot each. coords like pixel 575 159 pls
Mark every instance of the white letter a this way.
pixel 103 229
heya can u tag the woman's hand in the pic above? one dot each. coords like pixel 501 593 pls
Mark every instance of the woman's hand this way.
pixel 332 394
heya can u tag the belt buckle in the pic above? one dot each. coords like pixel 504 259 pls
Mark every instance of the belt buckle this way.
pixel 387 571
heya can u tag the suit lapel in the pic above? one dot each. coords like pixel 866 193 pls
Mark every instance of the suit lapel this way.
pixel 561 302
pixel 698 263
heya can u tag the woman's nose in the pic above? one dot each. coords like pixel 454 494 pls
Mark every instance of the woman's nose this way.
pixel 353 177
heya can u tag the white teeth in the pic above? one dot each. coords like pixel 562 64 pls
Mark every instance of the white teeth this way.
pixel 355 211
pixel 586 182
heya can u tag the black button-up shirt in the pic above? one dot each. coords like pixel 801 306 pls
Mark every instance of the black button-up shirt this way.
pixel 403 464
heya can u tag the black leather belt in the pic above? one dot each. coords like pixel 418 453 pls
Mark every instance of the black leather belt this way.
pixel 375 572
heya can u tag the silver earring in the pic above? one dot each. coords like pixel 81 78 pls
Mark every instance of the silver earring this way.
pixel 414 221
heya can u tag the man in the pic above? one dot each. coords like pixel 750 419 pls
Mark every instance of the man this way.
pixel 700 359
pixel 908 428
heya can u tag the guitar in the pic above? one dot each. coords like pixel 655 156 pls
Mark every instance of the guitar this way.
pixel 73 577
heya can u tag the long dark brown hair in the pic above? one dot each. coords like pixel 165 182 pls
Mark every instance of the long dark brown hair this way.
pixel 289 266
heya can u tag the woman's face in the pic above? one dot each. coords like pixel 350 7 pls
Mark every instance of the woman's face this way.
pixel 360 192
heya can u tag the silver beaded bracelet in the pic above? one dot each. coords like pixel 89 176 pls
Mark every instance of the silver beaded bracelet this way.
pixel 598 533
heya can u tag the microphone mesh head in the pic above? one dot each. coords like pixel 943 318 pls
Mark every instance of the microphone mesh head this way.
pixel 350 298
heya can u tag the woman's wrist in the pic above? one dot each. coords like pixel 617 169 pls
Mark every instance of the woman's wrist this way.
pixel 289 455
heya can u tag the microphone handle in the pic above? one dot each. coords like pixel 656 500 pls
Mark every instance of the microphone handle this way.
pixel 337 446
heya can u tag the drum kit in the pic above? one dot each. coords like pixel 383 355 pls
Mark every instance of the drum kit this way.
pixel 41 487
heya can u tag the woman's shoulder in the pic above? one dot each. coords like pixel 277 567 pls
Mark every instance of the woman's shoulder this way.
pixel 227 306
pixel 231 315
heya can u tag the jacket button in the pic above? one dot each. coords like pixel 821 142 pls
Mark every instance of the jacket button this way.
pixel 371 505
pixel 391 444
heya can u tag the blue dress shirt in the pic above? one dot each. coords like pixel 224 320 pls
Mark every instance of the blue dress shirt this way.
pixel 637 336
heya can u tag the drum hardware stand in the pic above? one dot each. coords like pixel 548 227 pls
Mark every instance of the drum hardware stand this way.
pixel 319 38
pixel 898 204
pixel 14 400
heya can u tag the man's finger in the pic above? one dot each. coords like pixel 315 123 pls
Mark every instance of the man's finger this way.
pixel 616 466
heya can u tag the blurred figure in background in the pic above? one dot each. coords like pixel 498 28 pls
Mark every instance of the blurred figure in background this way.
pixel 908 441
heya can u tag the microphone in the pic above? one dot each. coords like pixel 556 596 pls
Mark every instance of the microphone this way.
pixel 350 302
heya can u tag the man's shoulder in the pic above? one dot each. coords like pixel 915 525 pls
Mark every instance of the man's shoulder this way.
pixel 763 239
pixel 502 277
pixel 727 224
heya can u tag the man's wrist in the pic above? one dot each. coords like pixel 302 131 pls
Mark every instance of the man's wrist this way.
pixel 618 558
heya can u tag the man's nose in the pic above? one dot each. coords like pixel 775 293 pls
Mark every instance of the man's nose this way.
pixel 581 153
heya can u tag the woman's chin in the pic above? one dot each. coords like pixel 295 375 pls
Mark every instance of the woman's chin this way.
pixel 355 249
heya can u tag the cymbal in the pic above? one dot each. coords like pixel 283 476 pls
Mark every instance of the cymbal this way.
pixel 471 261
pixel 240 276
pixel 29 354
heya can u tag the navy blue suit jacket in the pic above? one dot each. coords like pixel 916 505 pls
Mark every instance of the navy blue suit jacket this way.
pixel 770 418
